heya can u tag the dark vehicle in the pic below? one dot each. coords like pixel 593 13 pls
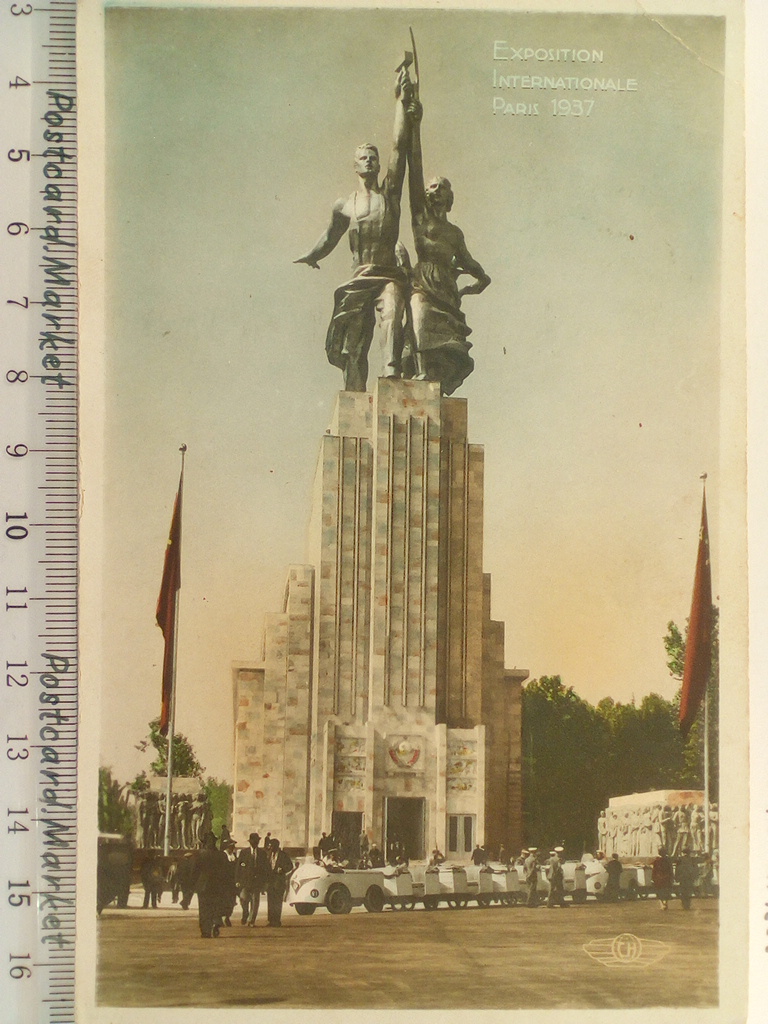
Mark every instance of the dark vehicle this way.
pixel 113 870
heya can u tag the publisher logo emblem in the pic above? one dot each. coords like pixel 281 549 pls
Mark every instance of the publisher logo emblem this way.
pixel 626 950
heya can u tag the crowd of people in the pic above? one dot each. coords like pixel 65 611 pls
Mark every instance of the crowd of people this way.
pixel 222 876
pixel 692 876
pixel 334 853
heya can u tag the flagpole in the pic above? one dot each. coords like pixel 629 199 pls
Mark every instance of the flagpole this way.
pixel 707 772
pixel 172 717
pixel 706 731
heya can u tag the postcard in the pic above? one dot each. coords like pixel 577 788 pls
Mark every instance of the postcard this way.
pixel 414 562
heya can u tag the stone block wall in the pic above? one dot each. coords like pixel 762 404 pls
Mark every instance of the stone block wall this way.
pixel 248 793
pixel 272 732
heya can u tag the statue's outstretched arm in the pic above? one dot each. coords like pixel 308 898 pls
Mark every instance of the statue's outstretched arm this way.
pixel 465 263
pixel 329 239
pixel 415 162
pixel 397 159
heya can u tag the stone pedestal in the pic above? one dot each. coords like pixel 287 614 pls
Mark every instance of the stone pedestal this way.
pixel 383 697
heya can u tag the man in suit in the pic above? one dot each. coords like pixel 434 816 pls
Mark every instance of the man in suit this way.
pixel 613 886
pixel 556 879
pixel 153 879
pixel 479 855
pixel 209 879
pixel 661 873
pixel 686 876
pixel 251 875
pixel 279 874
pixel 230 893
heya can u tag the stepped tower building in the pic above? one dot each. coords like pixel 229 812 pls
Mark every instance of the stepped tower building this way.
pixel 382 703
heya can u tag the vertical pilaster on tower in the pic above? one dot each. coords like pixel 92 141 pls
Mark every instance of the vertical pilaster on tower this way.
pixel 407 422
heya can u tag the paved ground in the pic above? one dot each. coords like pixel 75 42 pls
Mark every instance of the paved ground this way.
pixel 500 957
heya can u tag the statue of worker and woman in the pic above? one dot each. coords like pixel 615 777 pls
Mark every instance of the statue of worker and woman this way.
pixel 422 329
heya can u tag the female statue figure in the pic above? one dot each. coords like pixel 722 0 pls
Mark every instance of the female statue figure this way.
pixel 440 350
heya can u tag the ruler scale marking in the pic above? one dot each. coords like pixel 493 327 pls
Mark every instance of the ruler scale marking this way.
pixel 38 412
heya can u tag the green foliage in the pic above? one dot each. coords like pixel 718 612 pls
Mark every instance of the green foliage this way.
pixel 185 763
pixel 220 801
pixel 140 784
pixel 565 780
pixel 674 644
pixel 115 815
pixel 646 749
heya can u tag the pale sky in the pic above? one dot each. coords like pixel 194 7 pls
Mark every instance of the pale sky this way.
pixel 595 392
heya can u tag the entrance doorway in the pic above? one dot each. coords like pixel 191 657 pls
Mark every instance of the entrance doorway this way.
pixel 461 834
pixel 404 823
pixel 346 827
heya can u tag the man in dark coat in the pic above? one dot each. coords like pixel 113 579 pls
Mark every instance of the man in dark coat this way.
pixel 153 879
pixel 278 877
pixel 661 875
pixel 182 880
pixel 614 869
pixel 229 895
pixel 479 856
pixel 686 876
pixel 209 877
pixel 251 878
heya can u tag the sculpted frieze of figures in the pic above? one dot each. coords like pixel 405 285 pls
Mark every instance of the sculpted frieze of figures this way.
pixel 639 831
pixel 191 819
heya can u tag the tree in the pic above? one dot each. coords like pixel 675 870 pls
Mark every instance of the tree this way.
pixel 219 796
pixel 646 749
pixel 565 778
pixel 114 815
pixel 692 775
pixel 140 784
pixel 185 763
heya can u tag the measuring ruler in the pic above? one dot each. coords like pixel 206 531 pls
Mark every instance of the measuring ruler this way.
pixel 38 510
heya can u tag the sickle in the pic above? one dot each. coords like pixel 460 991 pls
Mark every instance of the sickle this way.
pixel 415 66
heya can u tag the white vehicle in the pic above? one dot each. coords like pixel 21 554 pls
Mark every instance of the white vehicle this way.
pixel 575 880
pixel 506 885
pixel 339 889
pixel 597 880
pixel 399 889
pixel 313 885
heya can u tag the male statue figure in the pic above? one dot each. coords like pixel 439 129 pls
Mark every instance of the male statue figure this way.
pixel 377 289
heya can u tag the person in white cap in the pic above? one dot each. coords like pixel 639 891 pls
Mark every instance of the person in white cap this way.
pixel 556 879
pixel 531 868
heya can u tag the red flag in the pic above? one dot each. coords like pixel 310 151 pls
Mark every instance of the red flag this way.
pixel 698 646
pixel 166 609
